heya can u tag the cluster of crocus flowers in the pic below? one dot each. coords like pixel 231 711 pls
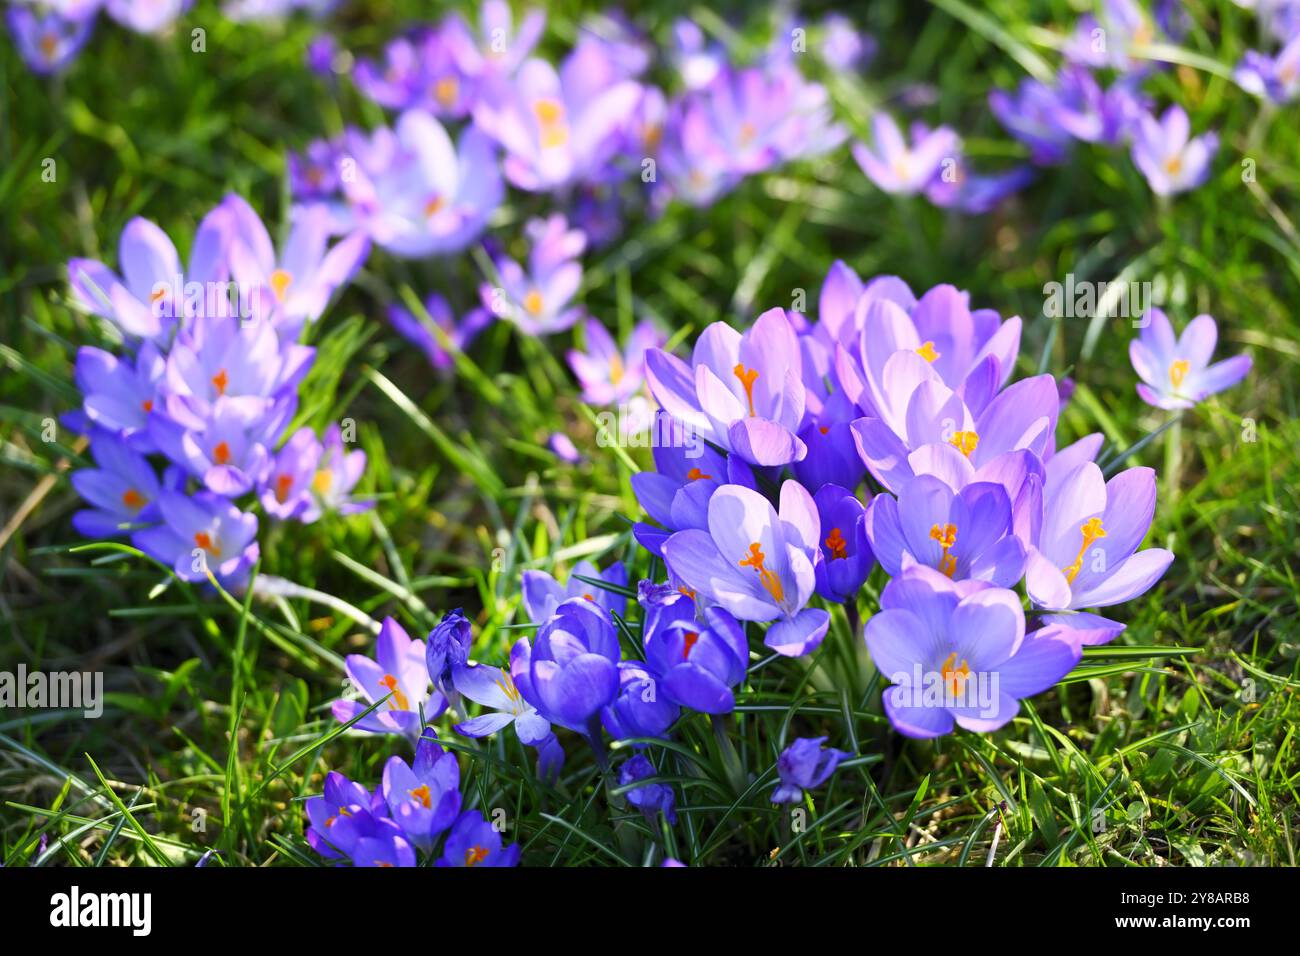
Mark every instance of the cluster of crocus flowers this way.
pixel 205 386
pixel 955 484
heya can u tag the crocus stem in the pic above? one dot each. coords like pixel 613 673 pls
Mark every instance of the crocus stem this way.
pixel 1173 459
pixel 597 743
pixel 722 729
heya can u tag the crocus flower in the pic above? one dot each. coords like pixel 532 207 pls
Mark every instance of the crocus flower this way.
pixel 649 798
pixel 843 47
pixel 448 648
pixel 964 534
pixel 1171 159
pixel 757 563
pixel 338 473
pixel 423 798
pixel 445 329
pixel 396 675
pixel 227 446
pixel 295 286
pixel 958 652
pixel 744 392
pixel 499 48
pixel 119 394
pixel 427 70
pixel 286 487
pixel 537 299
pixel 543 595
pixel 50 41
pixel 846 555
pixel 380 843
pixel 570 671
pixel 638 709
pixel 608 375
pixel 1115 38
pixel 494 688
pixel 976 194
pixel 201 533
pixel 146 16
pixel 342 800
pixel 1032 114
pixel 559 128
pixel 698 662
pixel 696 60
pixel 1275 78
pixel 1176 370
pixel 418 195
pixel 475 842
pixel 562 446
pixel 215 358
pixel 1087 553
pixel 314 173
pixel 122 491
pixel 895 166
pixel 803 765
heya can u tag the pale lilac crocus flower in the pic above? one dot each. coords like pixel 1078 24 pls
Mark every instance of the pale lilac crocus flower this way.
pixel 286 487
pixel 397 672
pixel 537 299
pixel 337 474
pixel 1176 370
pixel 757 563
pixel 201 533
pixel 146 16
pixel 122 489
pixel 609 375
pixel 499 48
pixel 1172 160
pixel 542 594
pixel 1276 78
pixel 897 167
pixel 457 334
pixel 48 42
pixel 119 394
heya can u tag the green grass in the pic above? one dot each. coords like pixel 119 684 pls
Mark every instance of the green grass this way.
pixel 1175 745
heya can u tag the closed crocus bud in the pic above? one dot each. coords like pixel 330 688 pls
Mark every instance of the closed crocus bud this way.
pixel 448 646
pixel 700 661
pixel 804 765
pixel 640 709
pixel 651 797
pixel 571 669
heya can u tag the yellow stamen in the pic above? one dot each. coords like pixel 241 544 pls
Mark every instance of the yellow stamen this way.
pixel 280 282
pixel 422 795
pixel 322 481
pixel 747 133
pixel 964 442
pixel 616 370
pixel 533 302
pixel 445 90
pixel 747 378
pixel 946 535
pixel 550 119
pixel 399 700
pixel 507 685
pixel 768 579
pixel 1091 530
pixel 927 352
pixel 1173 164
pixel 954 677
pixel 475 855
pixel 1178 371
pixel 839 547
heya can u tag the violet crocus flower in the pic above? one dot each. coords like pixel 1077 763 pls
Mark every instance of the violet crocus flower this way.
pixel 744 393
pixel 227 446
pixel 146 16
pixel 314 173
pixel 499 48
pixel 1176 370
pixel 119 394
pixel 337 474
pixel 958 652
pixel 559 128
pixel 122 491
pixel 803 765
pixel 698 662
pixel 757 563
pixel 427 70
pixel 537 299
pixel 963 534
pixel 697 61
pixel 475 842
pixel 423 798
pixel 976 194
pixel 542 594
pixel 201 533
pixel 494 688
pixel 570 671
pixel 1087 552
pixel 843 47
pixel 286 487
pixel 649 798
pixel 1172 160
pixel 295 286
pixel 448 648
pixel 897 167
pixel 433 339
pixel 48 41
pixel 417 194
pixel 846 553
pixel 607 374
pixel 1032 114
pixel 332 817
pixel 1276 78
pixel 397 672
pixel 638 710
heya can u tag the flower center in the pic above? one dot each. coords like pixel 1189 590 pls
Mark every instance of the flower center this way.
pixel 927 352
pixel 322 481
pixel 533 302
pixel 767 578
pixel 204 541
pixel 220 381
pixel 133 499
pixel 964 442
pixel 49 45
pixel 283 484
pixel 838 546
pixel 434 206
pixel 507 685
pixel 616 370
pixel 954 675
pixel 946 535
pixel 695 475
pixel 445 90
pixel 475 855
pixel 221 453
pixel 747 378
pixel 689 640
pixel 550 119
pixel 280 281
pixel 147 405
pixel 1091 531
pixel 398 700
pixel 1178 371
pixel 422 796
pixel 1173 164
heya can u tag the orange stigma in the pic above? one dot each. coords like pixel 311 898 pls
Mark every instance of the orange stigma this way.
pixel 927 352
pixel 475 855
pixel 147 405
pixel 220 381
pixel 838 546
pixel 133 499
pixel 283 485
pixel 445 90
pixel 695 475
pixel 221 453
pixel 398 700
pixel 322 481
pixel 280 282
pixel 768 578
pixel 964 442
pixel 1091 530
pixel 204 541
pixel 422 796
pixel 747 377
pixel 49 45
pixel 689 641
pixel 946 535
pixel 434 206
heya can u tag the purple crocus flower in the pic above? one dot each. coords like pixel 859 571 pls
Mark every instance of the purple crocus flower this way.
pixel 757 563
pixel 227 446
pixel 428 70
pixel 417 194
pixel 286 487
pixel 803 765
pixel 1033 115
pixel 976 194
pixel 696 60
pixel 570 671
pixel 314 173
pixel 537 299
pixel 475 842
pixel 48 42
pixel 499 48
pixel 445 329
pixel 423 798
pixel 1087 552
pixel 543 595
pixel 329 832
pixel 562 446
pixel 559 128
pixel 201 533
pixel 295 286
pixel 1171 159
pixel 397 672
pixel 1275 78
pixel 964 534
pixel 122 491
pixel 638 710
pixel 1115 38
pixel 494 688
pixel 608 375
pixel 698 662
pixel 649 798
pixel 1176 370
pixel 843 47
pixel 958 652
pixel 146 16
pixel 118 394
pixel 846 554
pixel 744 392
pixel 448 648
pixel 895 166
